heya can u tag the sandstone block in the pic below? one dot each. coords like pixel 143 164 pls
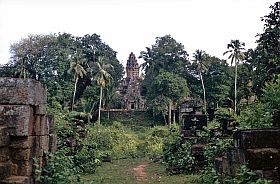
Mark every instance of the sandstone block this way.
pixel 18 118
pixel 258 138
pixel 21 154
pixel 4 136
pixel 23 92
pixel 51 123
pixel 268 174
pixel 17 180
pixel 45 143
pixel 13 169
pixel 4 154
pixel 52 143
pixel 36 149
pixel 218 164
pixel 24 168
pixel 4 170
pixel 263 158
pixel 41 126
pixel 21 142
pixel 226 166
pixel 236 156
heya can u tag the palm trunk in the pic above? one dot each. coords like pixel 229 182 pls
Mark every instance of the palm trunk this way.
pixel 174 116
pixel 235 88
pixel 169 113
pixel 204 95
pixel 100 102
pixel 74 92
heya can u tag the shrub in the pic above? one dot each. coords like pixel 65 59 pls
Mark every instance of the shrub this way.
pixel 112 142
pixel 151 142
pixel 255 116
pixel 59 169
pixel 177 153
pixel 245 175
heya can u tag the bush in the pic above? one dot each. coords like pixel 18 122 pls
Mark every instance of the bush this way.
pixel 245 175
pixel 112 142
pixel 255 116
pixel 59 169
pixel 177 153
pixel 151 142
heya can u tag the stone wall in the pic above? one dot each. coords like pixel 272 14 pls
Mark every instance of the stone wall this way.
pixel 259 149
pixel 26 132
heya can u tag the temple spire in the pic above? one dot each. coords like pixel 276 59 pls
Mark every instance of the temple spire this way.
pixel 132 67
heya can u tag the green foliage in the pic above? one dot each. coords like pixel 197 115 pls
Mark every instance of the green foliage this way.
pixel 169 85
pixel 209 176
pixel 47 58
pixel 245 175
pixel 265 58
pixel 59 169
pixel 177 153
pixel 214 149
pixel 255 116
pixel 151 142
pixel 218 81
pixel 223 115
pixel 113 142
pixel 272 94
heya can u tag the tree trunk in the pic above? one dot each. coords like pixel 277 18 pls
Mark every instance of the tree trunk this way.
pixel 204 95
pixel 74 92
pixel 164 118
pixel 108 114
pixel 100 102
pixel 235 88
pixel 174 117
pixel 169 113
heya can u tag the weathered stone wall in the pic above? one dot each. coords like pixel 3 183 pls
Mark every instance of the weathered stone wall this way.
pixel 259 149
pixel 26 132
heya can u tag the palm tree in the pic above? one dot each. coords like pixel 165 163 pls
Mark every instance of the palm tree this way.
pixel 103 78
pixel 199 59
pixel 236 55
pixel 79 72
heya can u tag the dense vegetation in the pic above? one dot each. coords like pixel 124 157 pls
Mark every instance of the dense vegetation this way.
pixel 81 74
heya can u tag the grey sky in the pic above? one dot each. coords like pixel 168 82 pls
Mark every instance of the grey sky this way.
pixel 131 25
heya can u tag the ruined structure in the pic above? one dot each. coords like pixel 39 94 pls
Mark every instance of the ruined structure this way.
pixel 190 114
pixel 129 88
pixel 26 132
pixel 258 148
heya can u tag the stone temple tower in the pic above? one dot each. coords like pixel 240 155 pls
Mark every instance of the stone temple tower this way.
pixel 130 87
pixel 132 67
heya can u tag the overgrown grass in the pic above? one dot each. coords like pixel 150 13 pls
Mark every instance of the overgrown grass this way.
pixel 121 172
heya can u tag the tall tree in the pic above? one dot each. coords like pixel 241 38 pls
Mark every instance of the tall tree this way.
pixel 79 72
pixel 201 66
pixel 265 58
pixel 103 78
pixel 218 81
pixel 236 55
pixel 171 87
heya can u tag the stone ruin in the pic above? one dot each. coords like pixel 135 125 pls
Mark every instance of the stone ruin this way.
pixel 192 121
pixel 129 89
pixel 26 132
pixel 258 148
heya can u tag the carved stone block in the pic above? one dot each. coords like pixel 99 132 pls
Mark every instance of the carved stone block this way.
pixel 17 91
pixel 18 118
pixel 259 138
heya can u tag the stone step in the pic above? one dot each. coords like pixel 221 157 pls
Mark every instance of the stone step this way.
pixel 263 158
pixel 257 138
pixel 17 180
